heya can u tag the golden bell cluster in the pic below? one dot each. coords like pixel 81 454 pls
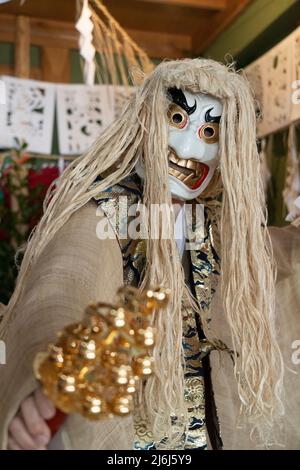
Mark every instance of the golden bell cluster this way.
pixel 95 366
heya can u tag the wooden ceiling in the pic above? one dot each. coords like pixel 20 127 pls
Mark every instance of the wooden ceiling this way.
pixel 164 28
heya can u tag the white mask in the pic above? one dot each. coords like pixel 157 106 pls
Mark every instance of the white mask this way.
pixel 193 141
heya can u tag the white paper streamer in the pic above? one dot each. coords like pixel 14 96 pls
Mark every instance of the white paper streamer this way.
pixel 87 50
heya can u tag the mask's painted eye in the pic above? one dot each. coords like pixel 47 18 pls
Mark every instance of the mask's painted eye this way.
pixel 209 133
pixel 210 118
pixel 177 117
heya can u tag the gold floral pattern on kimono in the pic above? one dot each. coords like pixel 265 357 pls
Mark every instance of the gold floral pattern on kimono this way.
pixel 205 270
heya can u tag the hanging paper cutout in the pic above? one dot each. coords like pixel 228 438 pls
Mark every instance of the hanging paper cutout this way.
pixel 121 95
pixel 296 76
pixel 296 220
pixel 273 78
pixel 83 112
pixel 278 87
pixel 28 114
pixel 87 50
pixel 254 75
pixel 292 179
pixel 264 169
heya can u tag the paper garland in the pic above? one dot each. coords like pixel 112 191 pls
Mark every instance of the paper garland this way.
pixel 120 96
pixel 273 78
pixel 292 178
pixel 83 112
pixel 296 76
pixel 27 114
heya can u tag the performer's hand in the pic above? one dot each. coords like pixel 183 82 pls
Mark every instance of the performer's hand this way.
pixel 28 430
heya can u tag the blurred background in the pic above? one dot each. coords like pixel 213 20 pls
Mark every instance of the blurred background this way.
pixel 67 66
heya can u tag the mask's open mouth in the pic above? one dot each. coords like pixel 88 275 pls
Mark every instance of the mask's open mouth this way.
pixel 190 172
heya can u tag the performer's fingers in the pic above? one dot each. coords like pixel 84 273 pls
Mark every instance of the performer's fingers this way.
pixel 20 435
pixel 44 405
pixel 11 444
pixel 34 423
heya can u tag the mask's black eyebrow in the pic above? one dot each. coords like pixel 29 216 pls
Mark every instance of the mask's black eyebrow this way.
pixel 210 118
pixel 177 96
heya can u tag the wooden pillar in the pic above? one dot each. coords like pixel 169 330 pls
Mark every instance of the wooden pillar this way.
pixel 56 64
pixel 22 47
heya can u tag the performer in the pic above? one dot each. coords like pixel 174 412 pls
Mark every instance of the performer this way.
pixel 187 137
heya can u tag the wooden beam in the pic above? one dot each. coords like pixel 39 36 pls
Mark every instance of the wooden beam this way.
pixel 6 69
pixel 218 23
pixel 56 66
pixel 159 17
pixel 64 10
pixel 43 32
pixel 8 27
pixel 204 4
pixel 22 47
pixel 163 45
pixel 131 14
pixel 62 35
pixel 53 33
pixel 36 73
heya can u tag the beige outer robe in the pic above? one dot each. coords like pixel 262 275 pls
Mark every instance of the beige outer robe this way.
pixel 77 267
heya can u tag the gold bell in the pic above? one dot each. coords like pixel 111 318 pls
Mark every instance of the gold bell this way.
pixel 145 337
pixel 95 366
pixel 87 349
pixel 93 405
pixel 143 365
pixel 157 298
pixel 111 358
pixel 66 383
pixel 131 386
pixel 121 405
pixel 56 355
pixel 122 374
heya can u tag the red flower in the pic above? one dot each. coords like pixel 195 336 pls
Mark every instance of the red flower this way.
pixel 45 176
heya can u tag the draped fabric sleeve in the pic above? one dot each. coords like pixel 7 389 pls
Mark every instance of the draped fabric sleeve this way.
pixel 74 269
pixel 286 248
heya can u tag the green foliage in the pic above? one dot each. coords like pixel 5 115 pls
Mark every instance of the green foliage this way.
pixel 20 209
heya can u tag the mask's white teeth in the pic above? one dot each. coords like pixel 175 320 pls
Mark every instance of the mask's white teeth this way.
pixel 177 174
pixel 196 168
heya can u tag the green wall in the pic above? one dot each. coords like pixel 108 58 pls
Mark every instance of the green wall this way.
pixel 7 54
pixel 263 24
pixel 76 69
